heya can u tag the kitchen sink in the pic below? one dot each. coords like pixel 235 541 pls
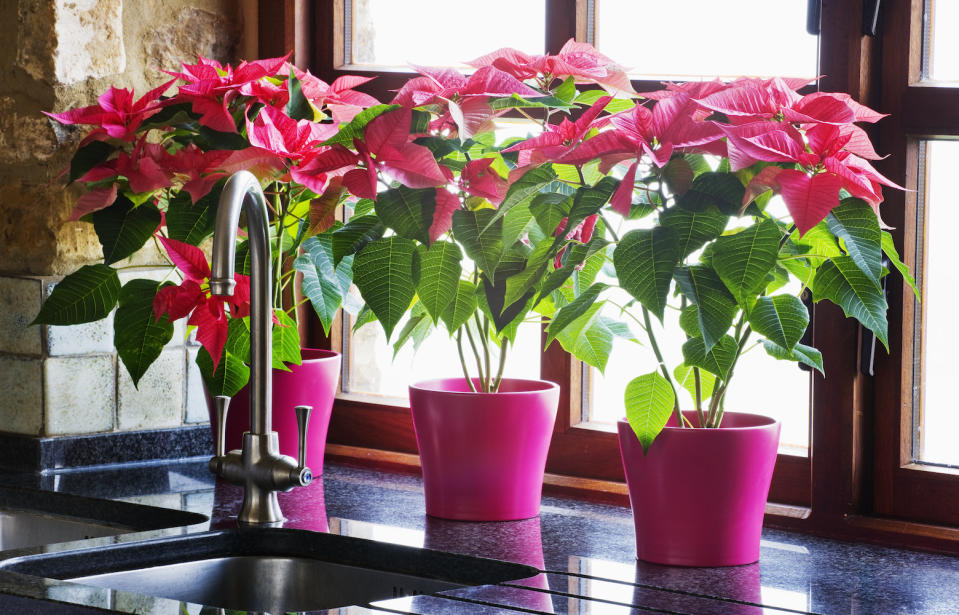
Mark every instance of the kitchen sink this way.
pixel 31 518
pixel 268 569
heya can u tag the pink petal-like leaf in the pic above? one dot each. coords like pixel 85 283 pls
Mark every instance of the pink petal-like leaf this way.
pixel 94 200
pixel 414 166
pixel 808 199
pixel 622 199
pixel 188 258
pixel 391 128
pixel 211 327
pixel 472 116
pixel 177 301
pixel 446 204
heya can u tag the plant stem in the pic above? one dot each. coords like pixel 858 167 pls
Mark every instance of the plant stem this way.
pixel 479 364
pixel 609 227
pixel 502 364
pixel 483 329
pixel 459 350
pixel 662 366
pixel 716 404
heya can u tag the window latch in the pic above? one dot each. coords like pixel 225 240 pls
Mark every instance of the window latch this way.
pixel 813 9
pixel 870 17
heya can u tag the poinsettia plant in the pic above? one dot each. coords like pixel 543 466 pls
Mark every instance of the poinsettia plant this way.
pixel 667 195
pixel 153 169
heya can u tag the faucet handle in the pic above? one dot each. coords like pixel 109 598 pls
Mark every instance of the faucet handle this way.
pixel 303 475
pixel 221 405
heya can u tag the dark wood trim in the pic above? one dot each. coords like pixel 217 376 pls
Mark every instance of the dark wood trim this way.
pixel 858 480
pixel 276 31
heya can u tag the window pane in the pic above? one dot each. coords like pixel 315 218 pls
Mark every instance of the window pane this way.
pixel 758 378
pixel 938 422
pixel 373 371
pixel 941 53
pixel 705 38
pixel 442 32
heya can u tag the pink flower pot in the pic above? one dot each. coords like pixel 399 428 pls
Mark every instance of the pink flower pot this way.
pixel 698 496
pixel 313 383
pixel 483 454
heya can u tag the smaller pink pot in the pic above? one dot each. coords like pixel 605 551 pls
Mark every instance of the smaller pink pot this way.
pixel 483 454
pixel 312 383
pixel 698 496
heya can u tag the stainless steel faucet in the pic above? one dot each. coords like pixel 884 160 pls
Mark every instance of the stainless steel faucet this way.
pixel 259 466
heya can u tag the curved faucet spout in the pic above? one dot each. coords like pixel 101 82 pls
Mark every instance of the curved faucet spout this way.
pixel 242 191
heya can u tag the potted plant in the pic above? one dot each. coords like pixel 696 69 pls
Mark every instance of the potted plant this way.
pixel 459 229
pixel 153 169
pixel 701 239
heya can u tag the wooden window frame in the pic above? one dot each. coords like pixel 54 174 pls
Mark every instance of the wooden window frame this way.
pixel 857 482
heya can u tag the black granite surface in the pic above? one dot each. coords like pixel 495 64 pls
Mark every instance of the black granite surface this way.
pixel 585 552
pixel 35 454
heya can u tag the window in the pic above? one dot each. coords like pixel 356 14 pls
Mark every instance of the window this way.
pixel 875 468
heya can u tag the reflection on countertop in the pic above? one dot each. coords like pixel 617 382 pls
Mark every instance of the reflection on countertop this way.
pixel 584 550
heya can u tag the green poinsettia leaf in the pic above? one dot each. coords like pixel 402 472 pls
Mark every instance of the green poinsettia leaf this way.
pixel 481 235
pixel 644 262
pixel 686 377
pixel 716 306
pixel 718 360
pixel 589 338
pixel 286 342
pixel 88 294
pixel 416 329
pixel 138 337
pixel 889 249
pixel 352 236
pixel 191 222
pixel 440 271
pixel 694 228
pixel 856 224
pixel 649 401
pixel 549 209
pixel 807 355
pixel 89 156
pixel 123 228
pixel 521 190
pixel 573 310
pixel 529 278
pixel 841 281
pixel 744 259
pixel 385 273
pixel 227 378
pixel 724 191
pixel 324 284
pixel 357 126
pixel 299 107
pixel 782 319
pixel 409 212
pixel 458 311
pixel 587 201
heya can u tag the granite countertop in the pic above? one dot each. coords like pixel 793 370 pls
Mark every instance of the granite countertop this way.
pixel 584 550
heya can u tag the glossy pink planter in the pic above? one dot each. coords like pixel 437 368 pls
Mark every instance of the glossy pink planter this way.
pixel 313 383
pixel 698 496
pixel 483 454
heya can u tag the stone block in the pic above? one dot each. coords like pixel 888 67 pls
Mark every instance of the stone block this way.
pixel 21 404
pixel 79 394
pixel 194 32
pixel 25 136
pixel 84 339
pixel 68 41
pixel 196 408
pixel 158 399
pixel 20 300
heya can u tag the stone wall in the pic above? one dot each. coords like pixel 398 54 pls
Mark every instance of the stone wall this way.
pixel 67 380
